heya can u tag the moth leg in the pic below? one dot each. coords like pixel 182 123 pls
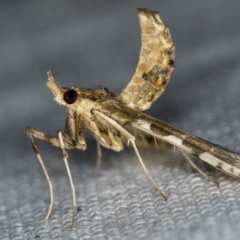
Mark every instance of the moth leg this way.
pixel 131 139
pixel 198 169
pixel 65 157
pixel 145 169
pixel 99 158
pixel 53 141
pixel 69 143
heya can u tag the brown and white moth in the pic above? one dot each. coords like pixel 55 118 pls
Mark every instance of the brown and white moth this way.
pixel 116 119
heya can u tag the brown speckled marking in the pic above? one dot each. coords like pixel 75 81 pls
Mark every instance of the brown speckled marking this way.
pixel 155 64
pixel 104 91
pixel 152 75
pixel 171 63
pixel 220 166
pixel 150 97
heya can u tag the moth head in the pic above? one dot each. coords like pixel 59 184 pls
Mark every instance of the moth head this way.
pixel 63 96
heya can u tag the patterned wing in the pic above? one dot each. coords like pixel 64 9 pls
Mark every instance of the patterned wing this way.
pixel 155 64
pixel 145 140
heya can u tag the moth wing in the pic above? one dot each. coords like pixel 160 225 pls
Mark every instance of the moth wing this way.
pixel 219 157
pixel 145 140
pixel 156 61
pixel 108 136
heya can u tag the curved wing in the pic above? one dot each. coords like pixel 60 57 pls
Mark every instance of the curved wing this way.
pixel 155 64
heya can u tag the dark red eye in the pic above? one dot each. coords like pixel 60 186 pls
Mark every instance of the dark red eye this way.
pixel 70 96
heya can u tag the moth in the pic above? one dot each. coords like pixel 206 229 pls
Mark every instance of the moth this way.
pixel 117 120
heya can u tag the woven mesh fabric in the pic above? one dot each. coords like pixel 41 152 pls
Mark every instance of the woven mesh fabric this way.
pixel 97 43
pixel 120 203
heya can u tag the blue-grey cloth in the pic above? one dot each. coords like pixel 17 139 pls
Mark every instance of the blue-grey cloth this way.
pixel 94 43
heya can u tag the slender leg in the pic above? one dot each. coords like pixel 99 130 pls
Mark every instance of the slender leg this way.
pixel 131 139
pixel 31 132
pixel 99 157
pixel 65 157
pixel 155 140
pixel 64 142
pixel 198 169
pixel 146 171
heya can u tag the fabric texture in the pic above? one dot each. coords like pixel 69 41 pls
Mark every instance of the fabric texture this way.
pixel 97 43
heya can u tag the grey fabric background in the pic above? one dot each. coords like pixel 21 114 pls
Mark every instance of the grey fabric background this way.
pixel 92 43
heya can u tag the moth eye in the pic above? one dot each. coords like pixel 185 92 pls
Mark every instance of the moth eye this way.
pixel 70 96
